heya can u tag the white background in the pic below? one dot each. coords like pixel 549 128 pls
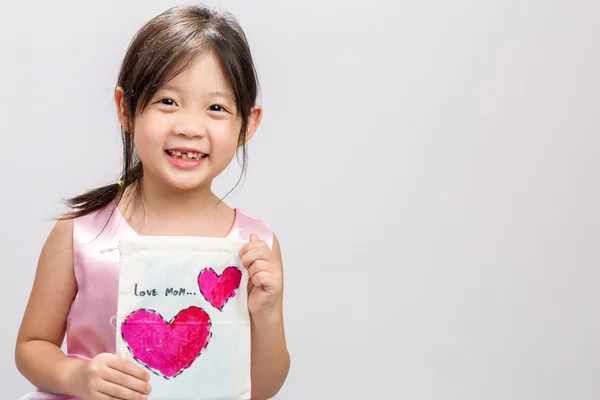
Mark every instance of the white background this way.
pixel 431 169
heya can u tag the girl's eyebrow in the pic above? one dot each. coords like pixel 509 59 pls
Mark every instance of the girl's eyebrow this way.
pixel 171 88
pixel 221 94
pixel 211 94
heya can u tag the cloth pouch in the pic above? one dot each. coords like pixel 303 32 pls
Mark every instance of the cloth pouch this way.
pixel 183 315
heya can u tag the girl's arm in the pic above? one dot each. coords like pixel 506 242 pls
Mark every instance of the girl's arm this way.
pixel 38 355
pixel 270 357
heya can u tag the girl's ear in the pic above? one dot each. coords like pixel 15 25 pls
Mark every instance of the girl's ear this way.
pixel 253 122
pixel 122 111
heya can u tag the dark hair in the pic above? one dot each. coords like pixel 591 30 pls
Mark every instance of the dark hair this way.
pixel 164 47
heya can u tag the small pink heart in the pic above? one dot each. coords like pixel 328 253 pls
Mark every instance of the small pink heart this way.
pixel 167 348
pixel 218 289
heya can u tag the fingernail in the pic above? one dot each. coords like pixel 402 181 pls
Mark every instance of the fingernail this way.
pixel 148 389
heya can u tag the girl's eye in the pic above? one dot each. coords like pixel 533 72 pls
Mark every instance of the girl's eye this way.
pixel 216 107
pixel 168 102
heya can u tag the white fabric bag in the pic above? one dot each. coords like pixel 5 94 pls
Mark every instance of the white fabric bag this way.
pixel 183 316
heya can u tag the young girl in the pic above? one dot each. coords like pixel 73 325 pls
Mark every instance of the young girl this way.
pixel 186 100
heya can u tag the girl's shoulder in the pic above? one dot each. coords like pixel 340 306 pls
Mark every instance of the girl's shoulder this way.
pixel 105 222
pixel 246 224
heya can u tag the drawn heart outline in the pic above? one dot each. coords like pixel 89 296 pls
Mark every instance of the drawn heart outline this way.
pixel 167 348
pixel 218 289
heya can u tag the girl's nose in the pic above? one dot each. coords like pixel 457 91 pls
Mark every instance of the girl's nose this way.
pixel 191 127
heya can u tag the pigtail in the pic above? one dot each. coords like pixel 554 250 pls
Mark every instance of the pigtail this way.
pixel 92 200
pixel 96 199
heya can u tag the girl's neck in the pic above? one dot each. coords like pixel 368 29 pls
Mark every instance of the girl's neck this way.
pixel 162 210
pixel 166 202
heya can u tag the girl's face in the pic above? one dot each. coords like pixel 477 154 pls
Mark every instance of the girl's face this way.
pixel 189 132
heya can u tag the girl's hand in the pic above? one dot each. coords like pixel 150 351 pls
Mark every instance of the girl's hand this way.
pixel 265 273
pixel 107 376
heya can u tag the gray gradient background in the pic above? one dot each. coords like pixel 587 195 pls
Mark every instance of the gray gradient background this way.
pixel 430 167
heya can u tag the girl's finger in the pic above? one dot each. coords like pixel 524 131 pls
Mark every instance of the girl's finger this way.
pixel 252 256
pixel 129 368
pixel 264 279
pixel 128 381
pixel 114 391
pixel 252 245
pixel 259 265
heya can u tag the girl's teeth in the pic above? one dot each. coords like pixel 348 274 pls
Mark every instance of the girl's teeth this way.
pixel 186 156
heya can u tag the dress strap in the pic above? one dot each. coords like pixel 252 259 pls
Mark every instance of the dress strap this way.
pixel 246 224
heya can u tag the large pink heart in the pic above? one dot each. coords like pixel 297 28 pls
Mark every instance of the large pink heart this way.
pixel 217 289
pixel 167 348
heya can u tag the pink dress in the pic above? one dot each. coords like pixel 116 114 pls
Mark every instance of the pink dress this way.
pixel 91 320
